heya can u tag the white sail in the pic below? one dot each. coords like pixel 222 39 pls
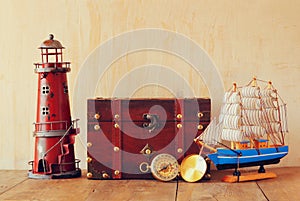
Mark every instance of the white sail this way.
pixel 271 115
pixel 250 91
pixel 232 97
pixel 231 112
pixel 231 121
pixel 274 115
pixel 253 131
pixel 269 102
pixel 252 117
pixel 231 109
pixel 283 118
pixel 234 135
pixel 268 93
pixel 273 127
pixel 211 135
pixel 251 103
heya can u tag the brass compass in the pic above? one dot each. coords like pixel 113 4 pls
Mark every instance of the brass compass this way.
pixel 193 168
pixel 164 167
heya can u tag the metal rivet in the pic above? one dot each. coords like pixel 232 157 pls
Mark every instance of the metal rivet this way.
pixel 105 175
pixel 148 151
pixel 200 127
pixel 117 116
pixel 179 125
pixel 97 127
pixel 179 116
pixel 116 149
pixel 116 125
pixel 89 159
pixel 89 175
pixel 89 144
pixel 97 116
pixel 200 114
pixel 179 150
pixel 117 172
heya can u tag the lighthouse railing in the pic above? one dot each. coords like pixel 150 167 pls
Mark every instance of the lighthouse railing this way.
pixel 52 66
pixel 51 126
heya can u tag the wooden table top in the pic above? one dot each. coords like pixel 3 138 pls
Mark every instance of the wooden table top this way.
pixel 14 185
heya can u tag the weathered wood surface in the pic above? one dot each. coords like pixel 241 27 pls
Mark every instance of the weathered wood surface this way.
pixel 134 190
pixel 14 185
pixel 31 189
pixel 285 187
pixel 215 189
pixel 10 179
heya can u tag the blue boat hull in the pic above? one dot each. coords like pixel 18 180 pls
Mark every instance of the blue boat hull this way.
pixel 228 159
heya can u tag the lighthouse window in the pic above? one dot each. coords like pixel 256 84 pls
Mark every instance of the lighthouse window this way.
pixel 66 89
pixel 45 110
pixel 45 90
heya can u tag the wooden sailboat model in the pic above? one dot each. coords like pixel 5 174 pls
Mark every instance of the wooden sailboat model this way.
pixel 253 122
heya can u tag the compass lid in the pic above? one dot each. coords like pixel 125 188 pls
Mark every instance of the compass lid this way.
pixel 193 168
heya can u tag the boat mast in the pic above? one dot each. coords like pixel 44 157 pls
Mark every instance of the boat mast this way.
pixel 268 134
pixel 234 89
pixel 253 84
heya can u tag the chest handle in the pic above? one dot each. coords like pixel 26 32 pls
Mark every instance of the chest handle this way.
pixel 153 124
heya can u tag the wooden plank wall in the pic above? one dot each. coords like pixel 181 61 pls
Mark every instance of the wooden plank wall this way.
pixel 241 39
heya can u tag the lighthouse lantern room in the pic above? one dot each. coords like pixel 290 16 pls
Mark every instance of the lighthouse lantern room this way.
pixel 54 129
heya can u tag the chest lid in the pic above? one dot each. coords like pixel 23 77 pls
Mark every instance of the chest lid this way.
pixel 138 109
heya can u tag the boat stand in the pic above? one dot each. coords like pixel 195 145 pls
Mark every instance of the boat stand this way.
pixel 251 176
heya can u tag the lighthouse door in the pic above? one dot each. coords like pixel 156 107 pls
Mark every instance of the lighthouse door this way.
pixel 43 166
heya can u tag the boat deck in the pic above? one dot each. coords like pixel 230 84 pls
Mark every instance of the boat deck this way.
pixel 14 185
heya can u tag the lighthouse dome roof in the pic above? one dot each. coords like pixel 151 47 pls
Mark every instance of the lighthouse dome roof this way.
pixel 51 43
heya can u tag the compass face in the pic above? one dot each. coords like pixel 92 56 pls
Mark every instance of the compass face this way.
pixel 164 167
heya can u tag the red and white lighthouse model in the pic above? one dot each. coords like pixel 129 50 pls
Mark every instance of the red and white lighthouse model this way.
pixel 54 130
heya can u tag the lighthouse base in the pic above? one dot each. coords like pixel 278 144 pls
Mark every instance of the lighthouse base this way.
pixel 62 175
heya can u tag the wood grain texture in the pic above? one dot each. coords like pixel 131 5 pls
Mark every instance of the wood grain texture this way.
pixel 10 179
pixel 64 189
pixel 18 187
pixel 219 191
pixel 215 189
pixel 134 190
pixel 285 187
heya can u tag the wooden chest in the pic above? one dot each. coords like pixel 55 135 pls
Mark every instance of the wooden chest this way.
pixel 125 134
